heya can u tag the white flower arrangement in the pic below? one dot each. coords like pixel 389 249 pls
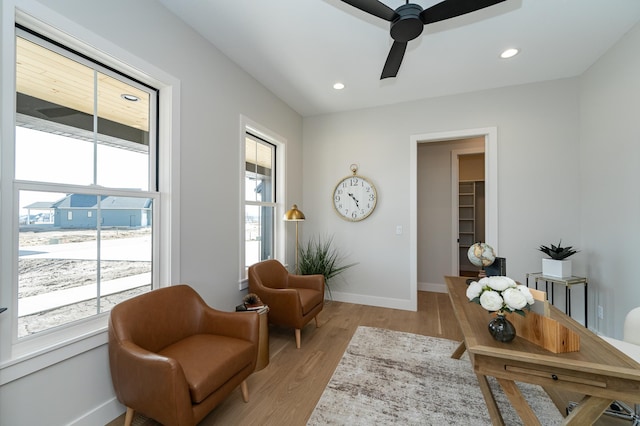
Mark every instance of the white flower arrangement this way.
pixel 500 294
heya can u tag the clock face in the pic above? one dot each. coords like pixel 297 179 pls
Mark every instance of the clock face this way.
pixel 354 198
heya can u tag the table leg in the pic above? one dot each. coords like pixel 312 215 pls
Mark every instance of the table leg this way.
pixel 459 350
pixel 518 402
pixel 567 300
pixel 587 411
pixel 586 322
pixel 490 401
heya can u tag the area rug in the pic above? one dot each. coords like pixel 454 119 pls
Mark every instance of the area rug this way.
pixel 387 377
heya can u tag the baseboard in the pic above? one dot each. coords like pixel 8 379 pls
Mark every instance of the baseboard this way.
pixel 434 287
pixel 101 415
pixel 382 302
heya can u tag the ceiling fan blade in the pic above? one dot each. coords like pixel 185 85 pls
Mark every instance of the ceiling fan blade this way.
pixel 373 7
pixel 394 59
pixel 452 8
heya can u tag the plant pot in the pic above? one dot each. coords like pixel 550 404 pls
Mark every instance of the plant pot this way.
pixel 556 268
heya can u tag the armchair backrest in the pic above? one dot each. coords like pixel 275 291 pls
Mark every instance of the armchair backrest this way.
pixel 270 273
pixel 156 319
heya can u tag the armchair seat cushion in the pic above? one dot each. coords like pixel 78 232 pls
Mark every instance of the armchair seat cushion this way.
pixel 209 361
pixel 309 299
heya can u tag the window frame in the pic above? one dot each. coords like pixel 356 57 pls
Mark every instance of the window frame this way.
pixel 261 132
pixel 147 190
pixel 18 359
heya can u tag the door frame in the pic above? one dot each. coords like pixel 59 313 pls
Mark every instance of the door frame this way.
pixel 490 135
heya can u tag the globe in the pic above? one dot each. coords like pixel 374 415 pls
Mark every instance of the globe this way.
pixel 481 255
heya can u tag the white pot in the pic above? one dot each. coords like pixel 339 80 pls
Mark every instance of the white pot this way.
pixel 556 268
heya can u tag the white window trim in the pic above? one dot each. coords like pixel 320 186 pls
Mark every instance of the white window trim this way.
pixel 52 347
pixel 248 125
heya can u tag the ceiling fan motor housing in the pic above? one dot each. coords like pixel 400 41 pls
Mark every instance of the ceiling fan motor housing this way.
pixel 407 25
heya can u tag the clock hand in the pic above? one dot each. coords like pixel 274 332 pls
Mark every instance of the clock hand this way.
pixel 354 199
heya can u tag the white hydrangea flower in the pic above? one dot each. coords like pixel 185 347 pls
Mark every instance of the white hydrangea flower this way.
pixel 527 294
pixel 491 300
pixel 473 290
pixel 514 299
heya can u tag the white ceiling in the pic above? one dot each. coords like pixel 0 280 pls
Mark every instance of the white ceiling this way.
pixel 299 48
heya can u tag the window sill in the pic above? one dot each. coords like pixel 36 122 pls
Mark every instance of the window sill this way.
pixel 244 284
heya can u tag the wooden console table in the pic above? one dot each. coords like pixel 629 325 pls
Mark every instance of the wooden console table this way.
pixel 598 370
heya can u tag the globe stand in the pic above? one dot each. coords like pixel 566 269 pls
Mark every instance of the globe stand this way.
pixel 481 274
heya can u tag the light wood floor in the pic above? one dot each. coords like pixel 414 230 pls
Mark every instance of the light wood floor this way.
pixel 287 390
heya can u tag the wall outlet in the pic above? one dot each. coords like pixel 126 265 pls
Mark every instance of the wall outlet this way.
pixel 600 312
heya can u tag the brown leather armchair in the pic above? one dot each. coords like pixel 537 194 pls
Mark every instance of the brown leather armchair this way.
pixel 173 358
pixel 293 300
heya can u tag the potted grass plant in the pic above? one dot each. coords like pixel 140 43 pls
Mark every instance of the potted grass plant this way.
pixel 557 265
pixel 319 256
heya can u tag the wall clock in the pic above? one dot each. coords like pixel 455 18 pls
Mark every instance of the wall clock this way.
pixel 354 197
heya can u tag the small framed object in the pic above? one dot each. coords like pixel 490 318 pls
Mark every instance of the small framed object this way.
pixel 354 197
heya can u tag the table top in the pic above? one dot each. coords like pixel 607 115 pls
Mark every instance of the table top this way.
pixel 597 368
pixel 565 280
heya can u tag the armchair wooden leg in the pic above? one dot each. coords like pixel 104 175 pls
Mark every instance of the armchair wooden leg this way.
pixel 128 418
pixel 298 338
pixel 245 391
pixel 317 324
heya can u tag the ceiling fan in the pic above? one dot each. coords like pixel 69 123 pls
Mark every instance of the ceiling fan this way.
pixel 408 21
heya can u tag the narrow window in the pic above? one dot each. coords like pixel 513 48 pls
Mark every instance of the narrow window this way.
pixel 260 199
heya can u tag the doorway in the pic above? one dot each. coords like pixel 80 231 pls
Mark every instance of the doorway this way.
pixel 467 205
pixel 446 255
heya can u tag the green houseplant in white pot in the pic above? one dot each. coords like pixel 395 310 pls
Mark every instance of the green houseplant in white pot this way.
pixel 558 265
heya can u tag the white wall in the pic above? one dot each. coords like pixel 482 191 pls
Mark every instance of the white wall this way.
pixel 215 92
pixel 610 157
pixel 537 144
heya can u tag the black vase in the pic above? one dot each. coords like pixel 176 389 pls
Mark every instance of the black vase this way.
pixel 501 329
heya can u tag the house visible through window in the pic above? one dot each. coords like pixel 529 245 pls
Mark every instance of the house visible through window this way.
pixel 260 199
pixel 85 155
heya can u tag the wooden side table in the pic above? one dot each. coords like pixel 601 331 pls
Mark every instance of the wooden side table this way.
pixel 263 340
pixel 567 282
pixel 263 336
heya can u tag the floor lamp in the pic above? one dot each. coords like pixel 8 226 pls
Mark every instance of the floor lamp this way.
pixel 295 215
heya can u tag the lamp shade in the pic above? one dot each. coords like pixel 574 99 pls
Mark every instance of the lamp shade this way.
pixel 294 214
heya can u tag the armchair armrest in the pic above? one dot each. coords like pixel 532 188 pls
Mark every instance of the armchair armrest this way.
pixel 241 325
pixel 280 298
pixel 152 383
pixel 313 282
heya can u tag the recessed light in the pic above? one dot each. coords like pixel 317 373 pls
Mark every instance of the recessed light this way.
pixel 509 53
pixel 130 98
pixel 338 86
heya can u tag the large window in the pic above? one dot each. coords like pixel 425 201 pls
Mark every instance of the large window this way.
pixel 260 200
pixel 85 185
